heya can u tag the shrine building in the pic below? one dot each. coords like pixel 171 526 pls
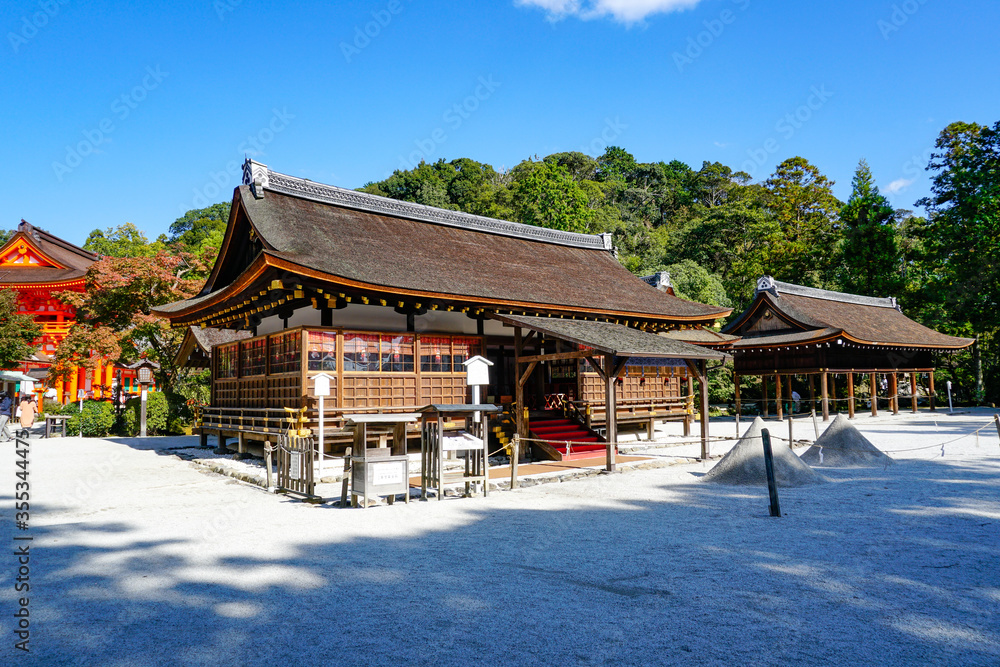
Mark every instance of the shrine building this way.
pixel 389 298
pixel 793 334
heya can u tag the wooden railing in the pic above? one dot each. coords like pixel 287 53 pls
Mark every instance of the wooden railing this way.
pixel 635 410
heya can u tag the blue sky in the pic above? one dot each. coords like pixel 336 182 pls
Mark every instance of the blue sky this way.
pixel 136 113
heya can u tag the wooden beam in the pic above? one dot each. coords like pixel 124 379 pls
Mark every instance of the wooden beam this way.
pixel 597 367
pixel 521 381
pixel 557 356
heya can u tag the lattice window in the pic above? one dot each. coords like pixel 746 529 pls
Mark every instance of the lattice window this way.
pixel 464 349
pixel 435 354
pixel 322 350
pixel 226 361
pixel 253 357
pixel 397 353
pixel 286 352
pixel 361 352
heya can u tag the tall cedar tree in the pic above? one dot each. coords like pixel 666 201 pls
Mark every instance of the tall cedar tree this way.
pixel 18 332
pixel 871 260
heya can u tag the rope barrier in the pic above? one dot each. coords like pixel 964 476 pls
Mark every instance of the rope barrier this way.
pixel 616 443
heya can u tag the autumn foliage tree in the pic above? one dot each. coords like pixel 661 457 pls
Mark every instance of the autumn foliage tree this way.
pixel 114 314
pixel 18 332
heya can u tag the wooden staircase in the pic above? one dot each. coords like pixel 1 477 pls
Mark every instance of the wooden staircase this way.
pixel 557 431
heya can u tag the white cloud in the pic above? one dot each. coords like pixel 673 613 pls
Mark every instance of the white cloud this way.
pixel 623 11
pixel 899 185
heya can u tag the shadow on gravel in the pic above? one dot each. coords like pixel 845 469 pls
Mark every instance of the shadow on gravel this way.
pixel 869 569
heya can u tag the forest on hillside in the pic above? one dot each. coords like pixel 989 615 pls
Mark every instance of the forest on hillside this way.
pixel 713 229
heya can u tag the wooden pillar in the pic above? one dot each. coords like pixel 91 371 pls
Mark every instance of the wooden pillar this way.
pixel 850 395
pixel 874 389
pixel 812 392
pixel 703 380
pixel 109 376
pixel 59 392
pixel 518 385
pixel 930 389
pixel 610 411
pixel 98 378
pixel 777 396
pixel 824 395
pixel 736 389
pixel 833 393
pixel 763 393
pixel 788 395
pixel 690 401
pixel 74 383
pixel 894 392
pixel 913 393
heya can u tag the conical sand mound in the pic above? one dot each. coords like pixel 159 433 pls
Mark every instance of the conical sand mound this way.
pixel 744 464
pixel 843 446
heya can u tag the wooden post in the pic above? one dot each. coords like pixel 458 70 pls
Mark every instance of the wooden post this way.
pixel 515 447
pixel 996 418
pixel 777 397
pixel 703 380
pixel 518 385
pixel 850 395
pixel 825 396
pixel 913 393
pixel 267 464
pixel 345 483
pixel 610 411
pixel 690 404
pixel 788 395
pixel 772 487
pixel 736 388
pixel 833 393
pixel 791 434
pixel 894 392
pixel 812 391
pixel 874 389
pixel 763 393
pixel 931 389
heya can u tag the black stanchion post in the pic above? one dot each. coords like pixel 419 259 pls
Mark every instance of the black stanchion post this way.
pixel 772 487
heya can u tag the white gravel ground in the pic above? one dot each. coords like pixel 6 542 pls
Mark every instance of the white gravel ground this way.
pixel 140 558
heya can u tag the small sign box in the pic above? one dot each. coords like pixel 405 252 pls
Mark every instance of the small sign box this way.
pixel 322 384
pixel 477 371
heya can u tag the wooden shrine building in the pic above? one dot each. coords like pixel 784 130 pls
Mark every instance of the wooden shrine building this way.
pixel 791 331
pixel 389 298
pixel 36 264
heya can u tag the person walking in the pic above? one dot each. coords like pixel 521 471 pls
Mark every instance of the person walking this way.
pixel 28 410
pixel 5 405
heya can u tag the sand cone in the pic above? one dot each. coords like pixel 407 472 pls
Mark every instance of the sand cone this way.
pixel 744 464
pixel 843 446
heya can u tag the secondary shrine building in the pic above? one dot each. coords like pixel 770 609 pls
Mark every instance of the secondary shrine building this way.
pixel 389 298
pixel 793 334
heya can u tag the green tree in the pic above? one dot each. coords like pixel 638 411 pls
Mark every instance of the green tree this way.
pixel 122 241
pixel 871 261
pixel 801 199
pixel 544 194
pixel 18 332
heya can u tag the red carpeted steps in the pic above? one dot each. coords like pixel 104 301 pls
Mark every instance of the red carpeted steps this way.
pixel 556 430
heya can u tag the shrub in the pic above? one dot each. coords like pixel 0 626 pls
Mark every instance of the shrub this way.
pixel 98 417
pixel 157 410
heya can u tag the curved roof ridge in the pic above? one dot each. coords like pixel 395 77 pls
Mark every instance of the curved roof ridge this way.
pixel 260 178
pixel 777 288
